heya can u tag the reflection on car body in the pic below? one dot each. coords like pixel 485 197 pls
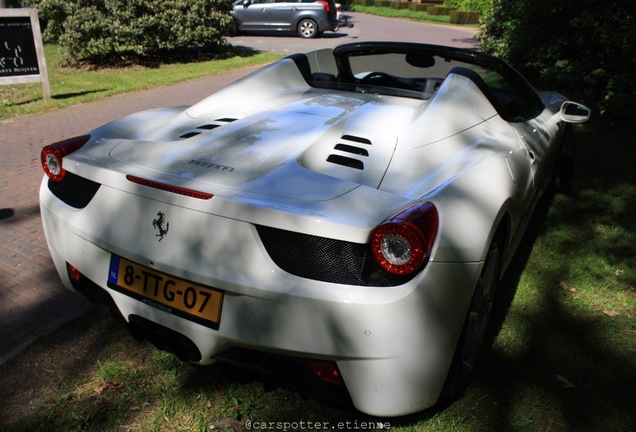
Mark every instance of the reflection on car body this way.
pixel 339 218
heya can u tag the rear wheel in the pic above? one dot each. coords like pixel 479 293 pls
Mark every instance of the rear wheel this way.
pixel 307 28
pixel 476 325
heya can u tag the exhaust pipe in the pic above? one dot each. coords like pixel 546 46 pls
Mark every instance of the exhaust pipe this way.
pixel 163 338
pixel 185 350
pixel 136 330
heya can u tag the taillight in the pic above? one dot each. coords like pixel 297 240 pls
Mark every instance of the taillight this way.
pixel 325 371
pixel 170 188
pixel 403 243
pixel 325 5
pixel 73 273
pixel 52 156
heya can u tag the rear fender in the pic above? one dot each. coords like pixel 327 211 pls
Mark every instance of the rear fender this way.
pixel 471 208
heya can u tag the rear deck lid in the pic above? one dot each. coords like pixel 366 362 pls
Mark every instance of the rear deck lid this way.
pixel 264 153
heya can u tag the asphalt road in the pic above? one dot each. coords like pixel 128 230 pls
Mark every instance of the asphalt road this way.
pixel 366 28
pixel 33 302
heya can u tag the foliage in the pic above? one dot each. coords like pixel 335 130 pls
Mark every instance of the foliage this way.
pixel 483 6
pixel 586 49
pixel 11 4
pixel 89 29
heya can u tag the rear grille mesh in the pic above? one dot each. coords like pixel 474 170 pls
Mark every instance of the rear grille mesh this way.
pixel 326 260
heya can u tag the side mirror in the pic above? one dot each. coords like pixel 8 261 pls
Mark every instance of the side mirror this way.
pixel 246 3
pixel 573 112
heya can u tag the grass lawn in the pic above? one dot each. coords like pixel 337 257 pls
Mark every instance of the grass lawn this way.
pixel 403 14
pixel 563 356
pixel 70 86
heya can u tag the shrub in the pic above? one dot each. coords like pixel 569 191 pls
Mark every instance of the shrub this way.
pixel 483 6
pixel 382 3
pixel 439 10
pixel 85 28
pixel 464 17
pixel 587 50
pixel 399 5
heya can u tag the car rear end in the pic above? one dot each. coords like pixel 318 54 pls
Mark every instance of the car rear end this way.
pixel 234 234
pixel 327 18
pixel 220 276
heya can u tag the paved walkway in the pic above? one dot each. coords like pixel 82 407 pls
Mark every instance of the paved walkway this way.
pixel 33 301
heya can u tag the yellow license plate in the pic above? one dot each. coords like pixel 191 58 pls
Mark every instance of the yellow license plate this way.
pixel 168 293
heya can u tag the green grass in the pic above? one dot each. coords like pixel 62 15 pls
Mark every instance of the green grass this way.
pixel 403 14
pixel 70 86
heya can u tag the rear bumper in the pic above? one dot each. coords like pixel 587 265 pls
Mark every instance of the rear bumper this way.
pixel 392 345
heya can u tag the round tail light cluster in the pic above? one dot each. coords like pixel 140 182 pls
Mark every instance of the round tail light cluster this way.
pixel 52 156
pixel 403 243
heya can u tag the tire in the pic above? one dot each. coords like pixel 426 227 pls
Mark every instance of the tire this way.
pixel 307 28
pixel 476 326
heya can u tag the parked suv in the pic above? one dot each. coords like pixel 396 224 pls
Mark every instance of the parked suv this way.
pixel 309 18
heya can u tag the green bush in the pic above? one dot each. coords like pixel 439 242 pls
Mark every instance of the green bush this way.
pixel 399 5
pixel 417 7
pixel 382 3
pixel 464 17
pixel 86 28
pixel 439 10
pixel 587 50
pixel 483 6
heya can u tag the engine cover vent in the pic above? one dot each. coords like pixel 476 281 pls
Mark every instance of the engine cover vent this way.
pixel 350 152
pixel 206 127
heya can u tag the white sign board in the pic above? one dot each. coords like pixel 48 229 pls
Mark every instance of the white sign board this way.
pixel 21 50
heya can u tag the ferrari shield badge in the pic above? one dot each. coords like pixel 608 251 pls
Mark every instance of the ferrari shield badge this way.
pixel 161 225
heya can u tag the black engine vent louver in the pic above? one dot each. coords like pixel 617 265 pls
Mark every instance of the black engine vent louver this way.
pixel 351 152
pixel 206 127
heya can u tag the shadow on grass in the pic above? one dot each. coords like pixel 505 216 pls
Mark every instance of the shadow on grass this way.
pixel 564 361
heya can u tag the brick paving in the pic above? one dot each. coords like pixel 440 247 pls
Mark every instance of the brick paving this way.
pixel 33 301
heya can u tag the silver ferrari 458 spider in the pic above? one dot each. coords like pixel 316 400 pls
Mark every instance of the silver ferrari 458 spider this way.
pixel 339 218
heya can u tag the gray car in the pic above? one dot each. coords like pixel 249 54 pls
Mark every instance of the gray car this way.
pixel 309 18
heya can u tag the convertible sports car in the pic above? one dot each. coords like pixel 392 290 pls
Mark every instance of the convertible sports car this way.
pixel 340 218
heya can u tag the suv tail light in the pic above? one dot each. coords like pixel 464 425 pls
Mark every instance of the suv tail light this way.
pixel 325 4
pixel 52 156
pixel 403 243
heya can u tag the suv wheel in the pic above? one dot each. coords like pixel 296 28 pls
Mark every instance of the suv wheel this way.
pixel 307 29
